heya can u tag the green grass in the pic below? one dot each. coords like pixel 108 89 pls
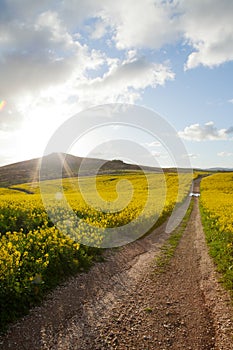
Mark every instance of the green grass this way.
pixel 168 249
pixel 220 249
pixel 148 310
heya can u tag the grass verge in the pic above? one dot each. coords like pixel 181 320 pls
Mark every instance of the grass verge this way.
pixel 168 249
pixel 220 246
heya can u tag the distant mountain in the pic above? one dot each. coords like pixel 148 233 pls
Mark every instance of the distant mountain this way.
pixel 220 169
pixel 28 171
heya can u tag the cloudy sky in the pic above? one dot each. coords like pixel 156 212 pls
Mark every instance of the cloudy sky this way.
pixel 58 58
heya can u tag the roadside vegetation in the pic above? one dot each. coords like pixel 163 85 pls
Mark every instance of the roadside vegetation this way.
pixel 217 208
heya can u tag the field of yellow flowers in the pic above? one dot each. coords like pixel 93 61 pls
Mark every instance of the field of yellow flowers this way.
pixel 217 208
pixel 35 255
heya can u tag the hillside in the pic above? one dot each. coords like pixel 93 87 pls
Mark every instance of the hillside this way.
pixel 28 171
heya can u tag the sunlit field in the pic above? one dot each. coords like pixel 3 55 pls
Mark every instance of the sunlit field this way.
pixel 35 255
pixel 217 209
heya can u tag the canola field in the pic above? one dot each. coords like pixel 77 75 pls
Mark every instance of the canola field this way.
pixel 217 214
pixel 35 255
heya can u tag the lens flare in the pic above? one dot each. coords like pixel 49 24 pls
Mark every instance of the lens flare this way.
pixel 2 105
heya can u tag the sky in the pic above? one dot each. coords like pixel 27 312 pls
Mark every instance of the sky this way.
pixel 58 58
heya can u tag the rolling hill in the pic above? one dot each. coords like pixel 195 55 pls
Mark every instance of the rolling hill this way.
pixel 28 171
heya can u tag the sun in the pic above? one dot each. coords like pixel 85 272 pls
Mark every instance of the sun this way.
pixel 35 134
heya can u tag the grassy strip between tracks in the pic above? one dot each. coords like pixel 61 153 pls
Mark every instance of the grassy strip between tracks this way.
pixel 168 249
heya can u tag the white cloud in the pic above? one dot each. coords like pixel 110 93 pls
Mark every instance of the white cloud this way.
pixel 231 101
pixel 131 54
pixel 75 12
pixel 38 56
pixel 123 81
pixel 99 30
pixel 157 154
pixel 191 155
pixel 225 154
pixel 45 53
pixel 196 132
pixel 43 57
pixel 138 74
pixel 141 23
pixel 153 144
pixel 229 130
pixel 205 25
pixel 208 28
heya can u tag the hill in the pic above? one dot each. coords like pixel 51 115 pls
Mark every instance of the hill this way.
pixel 28 171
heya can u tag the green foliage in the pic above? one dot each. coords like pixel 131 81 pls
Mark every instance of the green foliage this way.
pixel 220 248
pixel 148 310
pixel 31 264
pixel 216 210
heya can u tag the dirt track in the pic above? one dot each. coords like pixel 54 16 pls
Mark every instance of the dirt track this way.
pixel 122 304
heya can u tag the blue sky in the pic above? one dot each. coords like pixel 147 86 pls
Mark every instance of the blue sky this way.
pixel 58 58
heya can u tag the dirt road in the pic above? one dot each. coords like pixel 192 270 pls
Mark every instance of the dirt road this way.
pixel 122 304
